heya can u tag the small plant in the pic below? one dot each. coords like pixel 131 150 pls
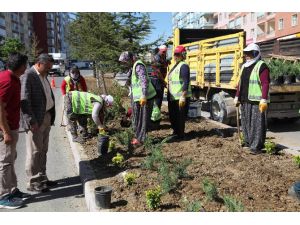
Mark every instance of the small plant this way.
pixel 153 198
pixel 129 178
pixel 118 160
pixel 297 160
pixel 233 205
pixel 111 145
pixel 168 178
pixel 194 206
pixel 180 169
pixel 242 138
pixel 125 137
pixel 270 147
pixel 210 190
pixel 154 159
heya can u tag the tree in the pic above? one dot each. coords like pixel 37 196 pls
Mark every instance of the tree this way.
pixel 34 51
pixel 10 45
pixel 134 28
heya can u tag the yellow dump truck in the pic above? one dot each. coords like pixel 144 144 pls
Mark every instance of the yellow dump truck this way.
pixel 215 58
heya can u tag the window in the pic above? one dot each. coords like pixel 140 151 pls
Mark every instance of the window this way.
pixel 244 19
pixel 294 20
pixel 231 24
pixel 252 16
pixel 238 21
pixel 220 17
pixel 280 24
pixel 2 32
pixel 252 33
pixel 2 22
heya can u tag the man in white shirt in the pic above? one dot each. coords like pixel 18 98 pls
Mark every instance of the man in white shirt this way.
pixel 37 116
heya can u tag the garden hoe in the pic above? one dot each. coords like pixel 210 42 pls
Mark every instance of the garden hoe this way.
pixel 238 124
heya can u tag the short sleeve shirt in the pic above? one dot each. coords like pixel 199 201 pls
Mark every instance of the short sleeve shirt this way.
pixel 10 89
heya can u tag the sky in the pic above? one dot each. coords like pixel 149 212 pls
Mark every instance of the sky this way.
pixel 163 25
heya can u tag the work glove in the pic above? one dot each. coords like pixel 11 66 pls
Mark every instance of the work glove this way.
pixel 236 102
pixel 102 131
pixel 263 105
pixel 143 101
pixel 181 102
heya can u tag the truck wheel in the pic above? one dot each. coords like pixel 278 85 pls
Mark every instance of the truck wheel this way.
pixel 222 108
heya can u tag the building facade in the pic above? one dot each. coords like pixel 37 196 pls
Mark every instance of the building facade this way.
pixel 259 26
pixel 49 29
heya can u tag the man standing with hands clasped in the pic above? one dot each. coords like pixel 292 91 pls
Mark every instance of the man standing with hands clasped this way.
pixel 38 114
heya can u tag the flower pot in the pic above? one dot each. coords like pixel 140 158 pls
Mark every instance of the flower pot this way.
pixel 289 79
pixel 103 196
pixel 103 143
pixel 277 81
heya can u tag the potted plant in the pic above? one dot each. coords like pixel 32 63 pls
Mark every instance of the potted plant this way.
pixel 275 73
pixel 297 71
pixel 287 72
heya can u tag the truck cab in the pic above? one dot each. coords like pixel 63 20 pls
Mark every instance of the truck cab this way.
pixel 59 66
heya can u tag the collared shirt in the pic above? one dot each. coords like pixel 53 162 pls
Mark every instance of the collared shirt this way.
pixel 47 90
pixel 10 88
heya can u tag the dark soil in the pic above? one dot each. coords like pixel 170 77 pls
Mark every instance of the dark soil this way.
pixel 260 182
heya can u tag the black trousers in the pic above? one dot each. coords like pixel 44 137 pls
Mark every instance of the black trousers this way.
pixel 178 116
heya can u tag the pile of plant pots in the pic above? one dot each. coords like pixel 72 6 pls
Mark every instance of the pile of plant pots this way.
pixel 284 71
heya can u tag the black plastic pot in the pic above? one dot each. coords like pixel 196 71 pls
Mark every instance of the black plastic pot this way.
pixel 103 196
pixel 103 143
pixel 277 80
pixel 289 79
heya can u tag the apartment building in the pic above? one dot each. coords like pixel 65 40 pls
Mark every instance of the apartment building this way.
pixel 16 25
pixel 259 26
pixel 49 28
pixel 196 20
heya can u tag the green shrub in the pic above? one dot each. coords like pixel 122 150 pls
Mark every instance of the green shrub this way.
pixel 125 137
pixel 180 168
pixel 233 205
pixel 297 160
pixel 210 189
pixel 118 160
pixel 129 178
pixel 242 138
pixel 193 206
pixel 153 198
pixel 168 178
pixel 270 147
pixel 154 159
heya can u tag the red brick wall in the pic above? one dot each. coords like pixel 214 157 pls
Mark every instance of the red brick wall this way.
pixel 287 21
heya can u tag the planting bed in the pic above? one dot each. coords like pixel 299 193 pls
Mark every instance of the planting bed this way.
pixel 259 182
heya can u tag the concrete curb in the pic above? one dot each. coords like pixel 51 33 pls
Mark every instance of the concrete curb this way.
pixel 86 174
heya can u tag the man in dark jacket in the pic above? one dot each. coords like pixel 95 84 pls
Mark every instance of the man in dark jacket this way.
pixel 38 114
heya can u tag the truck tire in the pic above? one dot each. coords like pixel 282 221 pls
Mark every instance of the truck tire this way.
pixel 222 108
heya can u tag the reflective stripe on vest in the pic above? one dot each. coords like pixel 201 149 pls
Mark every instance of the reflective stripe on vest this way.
pixel 136 84
pixel 82 102
pixel 68 82
pixel 255 89
pixel 175 83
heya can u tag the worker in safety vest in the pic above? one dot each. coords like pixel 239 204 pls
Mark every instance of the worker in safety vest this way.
pixel 159 65
pixel 142 94
pixel 179 92
pixel 80 105
pixel 73 82
pixel 253 96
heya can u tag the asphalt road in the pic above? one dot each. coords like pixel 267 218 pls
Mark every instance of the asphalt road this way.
pixel 68 195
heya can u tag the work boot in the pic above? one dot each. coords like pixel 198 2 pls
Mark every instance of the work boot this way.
pixel 19 194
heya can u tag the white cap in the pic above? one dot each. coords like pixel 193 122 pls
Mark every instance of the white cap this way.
pixel 162 48
pixel 108 99
pixel 252 47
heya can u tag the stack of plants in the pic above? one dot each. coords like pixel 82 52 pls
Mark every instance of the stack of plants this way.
pixel 283 71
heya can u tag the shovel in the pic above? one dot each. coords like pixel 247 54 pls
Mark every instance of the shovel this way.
pixel 238 123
